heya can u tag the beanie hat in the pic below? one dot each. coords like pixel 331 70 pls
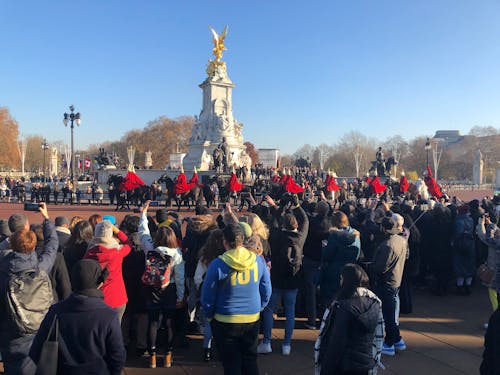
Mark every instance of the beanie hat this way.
pixel 61 220
pixel 17 221
pixel 247 229
pixel 87 274
pixel 103 229
pixel 109 218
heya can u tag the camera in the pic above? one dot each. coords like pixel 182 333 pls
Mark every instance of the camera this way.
pixel 154 204
pixel 31 207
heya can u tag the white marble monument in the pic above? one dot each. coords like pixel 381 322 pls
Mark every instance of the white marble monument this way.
pixel 477 169
pixel 216 120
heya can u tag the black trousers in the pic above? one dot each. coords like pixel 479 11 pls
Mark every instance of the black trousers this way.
pixel 237 346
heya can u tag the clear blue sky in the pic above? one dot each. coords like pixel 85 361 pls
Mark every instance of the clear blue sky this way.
pixel 306 71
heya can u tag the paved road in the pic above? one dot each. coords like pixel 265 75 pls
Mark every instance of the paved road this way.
pixel 444 337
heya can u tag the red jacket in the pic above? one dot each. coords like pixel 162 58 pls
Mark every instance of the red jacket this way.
pixel 113 287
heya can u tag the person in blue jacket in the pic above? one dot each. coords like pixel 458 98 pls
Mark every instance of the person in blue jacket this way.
pixel 236 289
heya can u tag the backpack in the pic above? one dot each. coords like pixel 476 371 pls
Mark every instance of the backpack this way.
pixel 158 269
pixel 28 296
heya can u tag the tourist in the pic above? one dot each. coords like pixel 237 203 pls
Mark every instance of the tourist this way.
pixel 90 339
pixel 211 250
pixel 235 290
pixel 489 233
pixel 109 251
pixel 59 277
pixel 343 247
pixel 63 232
pixel 319 227
pixel 135 319
pixel 387 270
pixel 197 231
pixel 464 251
pixel 78 243
pixel 15 344
pixel 166 299
pixel 352 331
pixel 287 244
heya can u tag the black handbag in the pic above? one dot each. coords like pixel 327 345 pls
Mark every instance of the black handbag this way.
pixel 47 363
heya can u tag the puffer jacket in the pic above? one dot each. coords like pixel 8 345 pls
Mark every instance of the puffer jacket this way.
pixel 351 335
pixel 343 247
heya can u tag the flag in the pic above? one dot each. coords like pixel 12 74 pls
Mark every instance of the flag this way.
pixel 87 163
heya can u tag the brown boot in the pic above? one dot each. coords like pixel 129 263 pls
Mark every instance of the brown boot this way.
pixel 168 360
pixel 152 360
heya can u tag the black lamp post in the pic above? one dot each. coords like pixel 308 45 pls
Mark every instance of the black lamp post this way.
pixel 427 148
pixel 73 117
pixel 45 147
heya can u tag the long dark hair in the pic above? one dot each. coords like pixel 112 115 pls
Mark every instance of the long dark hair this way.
pixel 353 277
pixel 213 247
pixel 82 233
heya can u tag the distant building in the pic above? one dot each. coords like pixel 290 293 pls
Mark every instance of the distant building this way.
pixel 448 137
pixel 269 157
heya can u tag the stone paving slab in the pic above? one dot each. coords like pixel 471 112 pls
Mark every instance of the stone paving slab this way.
pixel 444 337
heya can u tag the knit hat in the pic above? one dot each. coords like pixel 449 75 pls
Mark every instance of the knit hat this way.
pixel 103 229
pixel 4 228
pixel 247 229
pixel 17 221
pixel 87 274
pixel 61 220
pixel 109 218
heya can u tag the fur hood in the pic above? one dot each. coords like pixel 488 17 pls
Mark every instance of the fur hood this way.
pixel 202 223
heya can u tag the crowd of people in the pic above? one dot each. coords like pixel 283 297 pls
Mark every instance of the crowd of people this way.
pixel 139 286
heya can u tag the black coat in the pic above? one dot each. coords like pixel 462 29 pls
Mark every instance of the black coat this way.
pixel 319 227
pixel 491 354
pixel 90 338
pixel 287 251
pixel 349 336
pixel 59 276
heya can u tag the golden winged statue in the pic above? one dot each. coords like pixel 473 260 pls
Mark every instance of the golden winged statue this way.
pixel 218 41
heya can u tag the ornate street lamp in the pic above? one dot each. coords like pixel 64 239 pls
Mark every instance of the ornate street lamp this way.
pixel 427 148
pixel 73 117
pixel 45 147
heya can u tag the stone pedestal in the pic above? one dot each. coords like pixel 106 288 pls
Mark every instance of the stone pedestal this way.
pixel 214 123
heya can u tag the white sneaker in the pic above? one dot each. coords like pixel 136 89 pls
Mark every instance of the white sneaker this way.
pixel 264 348
pixel 286 349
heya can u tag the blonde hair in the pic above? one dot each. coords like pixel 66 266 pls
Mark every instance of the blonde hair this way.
pixel 257 225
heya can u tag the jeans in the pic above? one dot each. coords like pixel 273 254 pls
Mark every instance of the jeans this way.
pixel 311 275
pixel 237 346
pixel 120 310
pixel 289 297
pixel 389 297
